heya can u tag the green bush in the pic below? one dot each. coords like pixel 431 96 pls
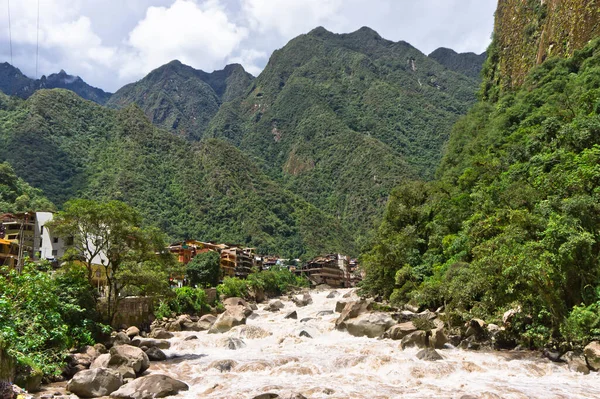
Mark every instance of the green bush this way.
pixel 43 316
pixel 583 324
pixel 204 269
pixel 184 300
pixel 275 281
pixel 233 287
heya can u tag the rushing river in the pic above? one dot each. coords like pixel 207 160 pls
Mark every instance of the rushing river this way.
pixel 334 364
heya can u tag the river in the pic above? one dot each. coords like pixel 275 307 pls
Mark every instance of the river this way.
pixel 333 364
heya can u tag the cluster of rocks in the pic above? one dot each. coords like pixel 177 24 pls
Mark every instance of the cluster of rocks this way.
pixel 119 371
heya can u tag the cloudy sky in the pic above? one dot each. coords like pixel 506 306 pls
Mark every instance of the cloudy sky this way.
pixel 113 42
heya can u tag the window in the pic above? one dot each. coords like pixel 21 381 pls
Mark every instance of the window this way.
pixel 41 242
pixel 55 240
pixel 70 241
pixel 42 230
pixel 54 252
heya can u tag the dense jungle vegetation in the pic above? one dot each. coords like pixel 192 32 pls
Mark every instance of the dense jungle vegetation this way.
pixel 512 221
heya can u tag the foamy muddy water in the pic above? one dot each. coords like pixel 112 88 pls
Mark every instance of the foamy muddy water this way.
pixel 333 364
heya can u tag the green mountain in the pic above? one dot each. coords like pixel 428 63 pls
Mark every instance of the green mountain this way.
pixel 18 196
pixel 182 99
pixel 341 119
pixel 512 221
pixel 14 83
pixel 469 64
pixel 69 147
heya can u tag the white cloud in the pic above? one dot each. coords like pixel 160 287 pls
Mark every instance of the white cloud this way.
pixel 250 60
pixel 201 35
pixel 290 18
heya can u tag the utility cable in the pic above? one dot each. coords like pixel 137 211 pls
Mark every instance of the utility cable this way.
pixel 10 34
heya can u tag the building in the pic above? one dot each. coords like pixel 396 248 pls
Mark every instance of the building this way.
pixel 238 262
pixel 9 252
pixel 20 229
pixel 333 270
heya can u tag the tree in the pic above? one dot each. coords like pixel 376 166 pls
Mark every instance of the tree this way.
pixel 110 233
pixel 204 269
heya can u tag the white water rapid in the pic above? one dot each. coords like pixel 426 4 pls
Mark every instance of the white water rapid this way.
pixel 333 364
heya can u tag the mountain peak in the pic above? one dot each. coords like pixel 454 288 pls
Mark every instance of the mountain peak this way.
pixel 319 31
pixel 365 32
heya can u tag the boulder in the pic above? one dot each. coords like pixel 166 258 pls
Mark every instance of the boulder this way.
pixel 292 315
pixel 401 330
pixel 339 306
pixel 405 315
pixel 509 315
pixel 369 324
pixel 190 338
pixel 101 361
pixel 100 348
pixel 592 355
pixel 173 326
pixel 235 343
pixel 223 365
pixel 235 302
pixel 417 338
pixel 125 371
pixel 324 313
pixel 160 334
pixel 333 294
pixel 151 343
pixel 412 308
pixel 438 338
pixel 234 316
pixel 426 315
pixel 150 387
pixel 206 321
pixel 305 319
pixel 121 339
pixel 351 310
pixel 95 383
pixel 130 356
pixel 576 362
pixel 429 354
pixel 190 326
pixel 274 306
pixel 155 354
pixel 304 301
pixel 304 333
pixel 132 331
pixel 475 327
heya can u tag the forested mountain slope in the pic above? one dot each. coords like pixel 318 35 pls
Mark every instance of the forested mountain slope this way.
pixel 341 119
pixel 469 64
pixel 182 99
pixel 512 221
pixel 69 147
pixel 14 83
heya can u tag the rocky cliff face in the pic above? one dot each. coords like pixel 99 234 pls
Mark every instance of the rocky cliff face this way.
pixel 529 31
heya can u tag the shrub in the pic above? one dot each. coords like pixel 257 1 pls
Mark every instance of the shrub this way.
pixel 233 287
pixel 275 281
pixel 185 300
pixel 204 269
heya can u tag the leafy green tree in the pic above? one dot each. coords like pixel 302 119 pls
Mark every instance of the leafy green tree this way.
pixel 204 269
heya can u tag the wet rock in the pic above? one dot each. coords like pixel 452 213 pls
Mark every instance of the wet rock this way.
pixel 399 331
pixel 151 343
pixel 101 361
pixel 333 294
pixel 348 294
pixel 438 338
pixel 292 315
pixel 155 354
pixel 234 316
pixel 160 334
pixel 303 333
pixel 206 321
pixel 150 387
pixel 429 354
pixel 251 332
pixel 190 326
pixel 236 303
pixel 95 383
pixel 417 338
pixel 592 355
pixel 274 306
pixel 130 356
pixel 576 362
pixel 100 348
pixel 324 313
pixel 121 339
pixel 132 331
pixel 351 310
pixel 412 308
pixel 235 343
pixel 339 306
pixel 191 338
pixel 173 326
pixel 223 365
pixel 475 327
pixel 305 319
pixel 369 324
pixel 470 344
pixel 304 301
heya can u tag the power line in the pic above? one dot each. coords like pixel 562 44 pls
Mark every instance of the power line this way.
pixel 10 34
pixel 37 46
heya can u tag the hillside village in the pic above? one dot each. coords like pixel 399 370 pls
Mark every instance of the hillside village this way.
pixel 26 235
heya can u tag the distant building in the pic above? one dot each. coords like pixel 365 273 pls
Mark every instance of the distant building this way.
pixel 238 262
pixel 9 251
pixel 335 270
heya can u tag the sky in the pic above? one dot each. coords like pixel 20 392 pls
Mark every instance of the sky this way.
pixel 110 43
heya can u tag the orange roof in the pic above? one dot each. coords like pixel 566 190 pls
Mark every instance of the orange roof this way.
pixel 7 242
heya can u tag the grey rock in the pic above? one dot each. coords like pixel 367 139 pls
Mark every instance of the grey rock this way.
pixel 292 315
pixel 95 383
pixel 155 354
pixel 429 354
pixel 150 387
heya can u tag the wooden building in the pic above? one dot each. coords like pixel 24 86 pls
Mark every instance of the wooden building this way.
pixel 333 270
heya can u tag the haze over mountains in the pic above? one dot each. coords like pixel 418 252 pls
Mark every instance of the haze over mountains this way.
pixel 299 160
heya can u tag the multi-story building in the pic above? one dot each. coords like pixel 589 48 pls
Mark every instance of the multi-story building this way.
pixel 332 269
pixel 9 251
pixel 238 262
pixel 20 229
